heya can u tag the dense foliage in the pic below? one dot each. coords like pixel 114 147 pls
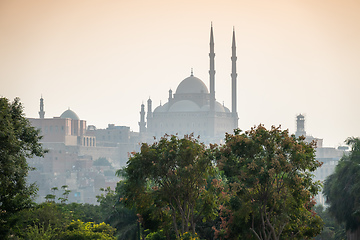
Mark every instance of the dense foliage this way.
pixel 167 182
pixel 51 220
pixel 270 186
pixel 123 219
pixel 342 188
pixel 332 230
pixel 258 185
pixel 18 141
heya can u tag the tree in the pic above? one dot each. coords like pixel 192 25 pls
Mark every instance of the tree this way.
pixel 18 141
pixel 270 186
pixel 101 162
pixel 117 215
pixel 168 182
pixel 45 219
pixel 78 230
pixel 85 212
pixel 332 230
pixel 342 188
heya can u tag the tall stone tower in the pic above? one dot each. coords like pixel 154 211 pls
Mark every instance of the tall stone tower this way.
pixel 142 123
pixel 212 71
pixel 233 81
pixel 300 126
pixel 42 112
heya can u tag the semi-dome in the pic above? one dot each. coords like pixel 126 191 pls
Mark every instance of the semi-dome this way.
pixel 191 85
pixel 163 108
pixel 70 114
pixel 184 106
pixel 218 108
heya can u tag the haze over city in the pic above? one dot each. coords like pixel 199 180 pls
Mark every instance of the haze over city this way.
pixel 104 58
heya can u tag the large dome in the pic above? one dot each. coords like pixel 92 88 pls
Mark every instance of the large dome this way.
pixel 70 114
pixel 191 85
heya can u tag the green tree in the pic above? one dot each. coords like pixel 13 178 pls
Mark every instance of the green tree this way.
pixel 270 186
pixel 56 220
pixel 65 194
pixel 124 220
pixel 342 188
pixel 78 230
pixel 167 182
pixel 41 233
pixel 44 219
pixel 101 162
pixel 18 141
pixel 332 230
pixel 85 212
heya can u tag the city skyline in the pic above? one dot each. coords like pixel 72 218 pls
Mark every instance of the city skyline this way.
pixel 103 59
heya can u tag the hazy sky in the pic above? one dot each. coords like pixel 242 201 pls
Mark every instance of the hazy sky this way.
pixel 103 58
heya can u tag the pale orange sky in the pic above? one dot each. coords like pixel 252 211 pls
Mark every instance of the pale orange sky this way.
pixel 104 58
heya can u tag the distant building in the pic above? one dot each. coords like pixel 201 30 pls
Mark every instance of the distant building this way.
pixel 300 131
pixel 73 148
pixel 112 135
pixel 67 129
pixel 328 156
pixel 193 108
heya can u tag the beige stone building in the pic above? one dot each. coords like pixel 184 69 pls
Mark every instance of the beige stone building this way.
pixel 73 150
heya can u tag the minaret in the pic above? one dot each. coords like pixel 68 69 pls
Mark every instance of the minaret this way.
pixel 142 122
pixel 212 71
pixel 170 95
pixel 42 112
pixel 149 111
pixel 233 79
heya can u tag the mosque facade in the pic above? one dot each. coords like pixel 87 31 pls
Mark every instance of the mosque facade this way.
pixel 193 108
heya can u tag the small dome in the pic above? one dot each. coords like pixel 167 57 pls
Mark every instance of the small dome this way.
pixel 191 85
pixel 163 108
pixel 70 114
pixel 184 106
pixel 219 107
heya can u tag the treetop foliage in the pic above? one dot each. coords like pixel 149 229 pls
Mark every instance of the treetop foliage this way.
pixel 342 188
pixel 170 179
pixel 270 185
pixel 18 141
pixel 258 185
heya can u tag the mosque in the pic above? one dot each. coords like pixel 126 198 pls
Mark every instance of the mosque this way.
pixel 74 147
pixel 193 108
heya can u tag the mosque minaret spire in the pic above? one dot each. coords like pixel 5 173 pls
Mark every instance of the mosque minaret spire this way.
pixel 142 123
pixel 212 71
pixel 233 74
pixel 149 111
pixel 233 79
